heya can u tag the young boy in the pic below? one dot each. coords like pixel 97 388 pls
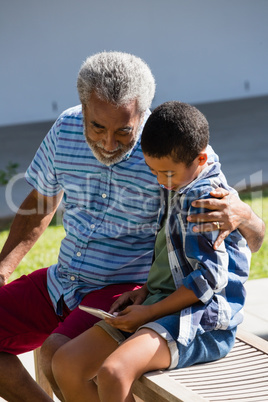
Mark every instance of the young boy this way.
pixel 189 309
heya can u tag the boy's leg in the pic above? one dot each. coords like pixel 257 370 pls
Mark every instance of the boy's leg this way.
pixel 76 364
pixel 96 353
pixel 77 322
pixel 144 351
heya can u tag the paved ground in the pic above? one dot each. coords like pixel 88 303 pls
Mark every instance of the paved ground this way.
pixel 239 134
pixel 256 308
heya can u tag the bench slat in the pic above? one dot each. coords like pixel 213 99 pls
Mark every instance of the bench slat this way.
pixel 240 382
pixel 246 372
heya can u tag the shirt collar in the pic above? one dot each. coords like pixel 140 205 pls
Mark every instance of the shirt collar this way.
pixel 212 169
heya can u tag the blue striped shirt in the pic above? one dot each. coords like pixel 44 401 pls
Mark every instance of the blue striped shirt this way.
pixel 110 213
pixel 215 276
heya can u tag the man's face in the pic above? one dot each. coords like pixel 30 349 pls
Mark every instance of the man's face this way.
pixel 110 131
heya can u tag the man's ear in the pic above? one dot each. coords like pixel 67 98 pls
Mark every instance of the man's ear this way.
pixel 202 158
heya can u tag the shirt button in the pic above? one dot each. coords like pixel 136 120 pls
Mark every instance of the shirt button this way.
pixel 92 226
pixel 104 195
pixel 72 278
pixel 78 254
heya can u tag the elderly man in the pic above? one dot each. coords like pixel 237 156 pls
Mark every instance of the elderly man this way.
pixel 91 158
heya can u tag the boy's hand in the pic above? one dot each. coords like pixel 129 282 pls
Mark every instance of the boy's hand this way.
pixel 224 214
pixel 130 319
pixel 129 298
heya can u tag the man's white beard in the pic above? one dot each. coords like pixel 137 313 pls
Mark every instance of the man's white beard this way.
pixel 104 157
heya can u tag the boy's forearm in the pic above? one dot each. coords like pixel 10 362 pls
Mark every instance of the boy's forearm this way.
pixel 177 301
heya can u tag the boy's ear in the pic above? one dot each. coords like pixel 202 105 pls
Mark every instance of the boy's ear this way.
pixel 202 158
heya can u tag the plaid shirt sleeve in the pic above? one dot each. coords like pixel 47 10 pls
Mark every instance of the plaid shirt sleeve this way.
pixel 209 267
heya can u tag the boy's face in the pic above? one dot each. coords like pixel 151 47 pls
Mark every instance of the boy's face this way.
pixel 174 175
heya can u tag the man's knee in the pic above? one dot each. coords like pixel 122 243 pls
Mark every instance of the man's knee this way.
pixel 49 348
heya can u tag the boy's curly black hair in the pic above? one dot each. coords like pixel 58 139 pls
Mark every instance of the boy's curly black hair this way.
pixel 175 129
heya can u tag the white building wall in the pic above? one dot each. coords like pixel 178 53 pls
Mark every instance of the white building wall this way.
pixel 198 50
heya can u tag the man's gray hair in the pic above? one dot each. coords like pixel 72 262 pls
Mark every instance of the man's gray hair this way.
pixel 118 78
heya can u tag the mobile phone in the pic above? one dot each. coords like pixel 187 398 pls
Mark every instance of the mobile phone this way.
pixel 97 312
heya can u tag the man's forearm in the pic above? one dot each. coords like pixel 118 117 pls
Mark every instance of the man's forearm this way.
pixel 24 232
pixel 252 228
pixel 27 227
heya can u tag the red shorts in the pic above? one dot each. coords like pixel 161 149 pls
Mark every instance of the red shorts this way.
pixel 28 316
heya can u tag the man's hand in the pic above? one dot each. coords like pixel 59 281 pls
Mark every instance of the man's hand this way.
pixel 4 275
pixel 129 298
pixel 2 281
pixel 225 214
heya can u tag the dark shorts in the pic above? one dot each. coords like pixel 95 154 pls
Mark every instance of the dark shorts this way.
pixel 28 317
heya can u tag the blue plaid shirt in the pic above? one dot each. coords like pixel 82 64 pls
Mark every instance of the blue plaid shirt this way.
pixel 215 276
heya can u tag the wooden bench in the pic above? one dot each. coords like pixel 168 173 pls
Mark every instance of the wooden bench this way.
pixel 240 376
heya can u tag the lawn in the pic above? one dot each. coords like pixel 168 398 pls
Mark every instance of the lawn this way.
pixel 45 251
pixel 259 203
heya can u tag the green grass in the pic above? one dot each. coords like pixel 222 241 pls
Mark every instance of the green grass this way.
pixel 45 251
pixel 258 200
